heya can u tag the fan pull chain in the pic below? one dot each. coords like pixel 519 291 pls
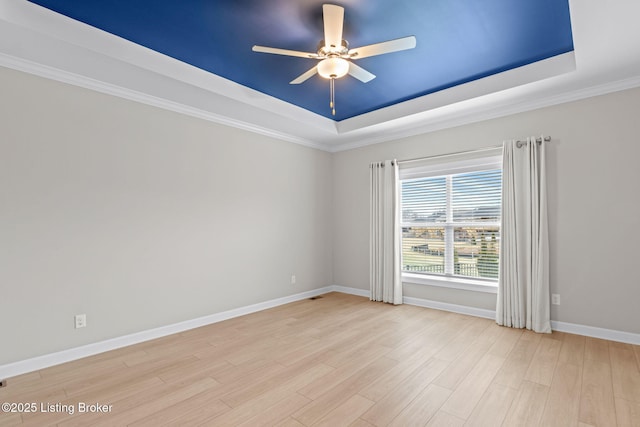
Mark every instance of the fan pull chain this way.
pixel 332 96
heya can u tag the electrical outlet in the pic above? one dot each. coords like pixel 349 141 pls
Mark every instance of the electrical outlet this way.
pixel 555 299
pixel 81 320
pixel 293 279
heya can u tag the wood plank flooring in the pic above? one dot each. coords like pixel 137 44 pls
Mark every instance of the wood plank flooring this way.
pixel 342 360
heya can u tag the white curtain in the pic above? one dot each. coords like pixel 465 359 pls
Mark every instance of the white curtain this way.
pixel 384 241
pixel 523 289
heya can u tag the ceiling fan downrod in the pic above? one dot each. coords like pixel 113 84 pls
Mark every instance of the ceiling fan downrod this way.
pixel 332 95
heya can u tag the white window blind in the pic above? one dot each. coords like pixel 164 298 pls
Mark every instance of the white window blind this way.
pixel 451 219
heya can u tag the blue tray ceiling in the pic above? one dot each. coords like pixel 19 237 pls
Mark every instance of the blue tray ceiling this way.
pixel 458 41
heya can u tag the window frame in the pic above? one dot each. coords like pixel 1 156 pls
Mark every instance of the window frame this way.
pixel 435 167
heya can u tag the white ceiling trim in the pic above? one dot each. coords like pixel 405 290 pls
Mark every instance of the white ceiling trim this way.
pixel 144 98
pixel 38 41
pixel 42 36
pixel 537 71
pixel 488 111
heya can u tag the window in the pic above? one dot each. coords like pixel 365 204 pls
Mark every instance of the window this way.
pixel 451 219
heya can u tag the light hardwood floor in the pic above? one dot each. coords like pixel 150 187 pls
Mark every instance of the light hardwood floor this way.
pixel 342 360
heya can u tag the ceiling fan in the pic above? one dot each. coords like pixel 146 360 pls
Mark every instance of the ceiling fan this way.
pixel 334 54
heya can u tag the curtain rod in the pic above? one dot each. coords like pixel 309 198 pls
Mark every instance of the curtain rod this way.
pixel 539 140
pixel 519 144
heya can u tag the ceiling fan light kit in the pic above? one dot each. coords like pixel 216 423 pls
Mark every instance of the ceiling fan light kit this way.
pixel 333 68
pixel 335 57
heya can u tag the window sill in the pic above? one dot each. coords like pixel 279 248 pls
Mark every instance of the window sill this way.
pixel 449 282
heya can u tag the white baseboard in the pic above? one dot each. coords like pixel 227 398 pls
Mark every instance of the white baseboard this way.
pixel 351 291
pixel 572 328
pixel 595 332
pixel 462 309
pixel 47 360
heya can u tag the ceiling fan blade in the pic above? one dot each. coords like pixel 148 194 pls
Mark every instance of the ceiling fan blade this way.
pixel 304 77
pixel 360 73
pixel 384 47
pixel 333 18
pixel 286 52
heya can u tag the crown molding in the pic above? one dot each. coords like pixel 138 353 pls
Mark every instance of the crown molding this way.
pixel 471 114
pixel 41 42
pixel 59 48
pixel 488 112
pixel 62 76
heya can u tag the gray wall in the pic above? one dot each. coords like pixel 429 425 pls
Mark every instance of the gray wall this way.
pixel 594 202
pixel 141 217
